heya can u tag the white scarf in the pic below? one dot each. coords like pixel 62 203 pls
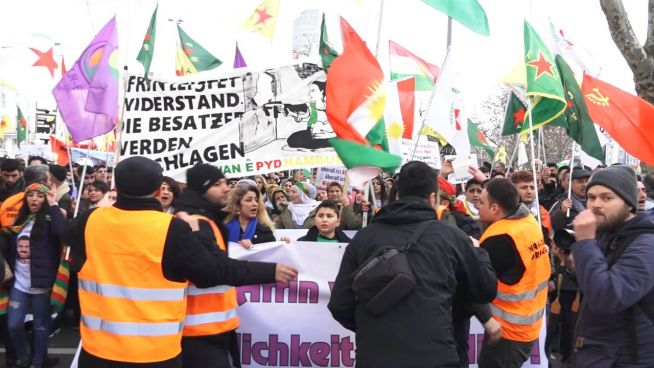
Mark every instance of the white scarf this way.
pixel 300 211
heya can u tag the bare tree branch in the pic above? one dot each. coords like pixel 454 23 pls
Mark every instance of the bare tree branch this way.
pixel 622 33
pixel 649 43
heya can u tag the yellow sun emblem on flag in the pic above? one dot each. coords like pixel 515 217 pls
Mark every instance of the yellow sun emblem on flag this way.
pixel 395 130
pixel 377 102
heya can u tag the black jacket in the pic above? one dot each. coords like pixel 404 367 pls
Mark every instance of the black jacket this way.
pixel 187 255
pixel 416 332
pixel 45 249
pixel 312 235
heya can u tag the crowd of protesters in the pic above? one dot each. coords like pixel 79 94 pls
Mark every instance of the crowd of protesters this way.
pixel 495 254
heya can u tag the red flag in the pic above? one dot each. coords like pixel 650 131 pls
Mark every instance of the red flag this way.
pixel 406 90
pixel 627 118
pixel 60 150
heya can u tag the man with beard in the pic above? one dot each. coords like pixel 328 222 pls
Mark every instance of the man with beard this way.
pixel 209 337
pixel 614 261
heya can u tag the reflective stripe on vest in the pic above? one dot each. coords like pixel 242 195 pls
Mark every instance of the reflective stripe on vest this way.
pixel 211 311
pixel 519 308
pixel 211 317
pixel 130 312
pixel 132 328
pixel 527 295
pixel 116 291
pixel 516 318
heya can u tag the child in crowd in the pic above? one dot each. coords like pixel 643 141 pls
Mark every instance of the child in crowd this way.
pixel 326 227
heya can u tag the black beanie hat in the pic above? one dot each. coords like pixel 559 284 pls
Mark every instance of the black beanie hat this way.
pixel 59 172
pixel 138 176
pixel 620 179
pixel 201 177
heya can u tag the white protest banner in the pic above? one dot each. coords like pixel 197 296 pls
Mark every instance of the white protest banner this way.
pixel 290 325
pixel 41 150
pixel 245 123
pixel 96 157
pixel 326 175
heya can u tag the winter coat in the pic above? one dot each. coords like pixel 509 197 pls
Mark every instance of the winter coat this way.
pixel 45 249
pixel 610 293
pixel 416 332
pixel 312 235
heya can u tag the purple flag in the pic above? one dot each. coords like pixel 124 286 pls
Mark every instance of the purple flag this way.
pixel 239 62
pixel 87 95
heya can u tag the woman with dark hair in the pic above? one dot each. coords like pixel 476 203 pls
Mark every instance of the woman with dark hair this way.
pixel 34 252
pixel 278 198
pixel 247 219
pixel 168 192
pixel 379 192
pixel 318 128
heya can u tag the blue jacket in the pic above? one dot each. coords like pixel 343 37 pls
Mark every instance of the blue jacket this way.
pixel 608 293
pixel 45 251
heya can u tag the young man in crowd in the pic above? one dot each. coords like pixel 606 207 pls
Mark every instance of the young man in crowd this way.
pixel 417 331
pixel 524 183
pixel 517 251
pixel 12 178
pixel 473 192
pixel 326 225
pixel 36 160
pixel 209 337
pixel 349 220
pixel 613 259
pixel 642 196
pixel 576 203
pixel 101 172
pixel 58 179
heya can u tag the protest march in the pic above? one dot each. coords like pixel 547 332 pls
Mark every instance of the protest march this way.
pixel 370 183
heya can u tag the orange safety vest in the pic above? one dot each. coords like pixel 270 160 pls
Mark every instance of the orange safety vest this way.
pixel 519 308
pixel 130 311
pixel 211 311
pixel 9 209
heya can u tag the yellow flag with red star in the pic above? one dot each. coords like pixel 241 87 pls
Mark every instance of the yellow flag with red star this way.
pixel 5 125
pixel 263 19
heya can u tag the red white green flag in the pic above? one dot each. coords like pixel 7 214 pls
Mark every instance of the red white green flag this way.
pixel 405 64
pixel 355 108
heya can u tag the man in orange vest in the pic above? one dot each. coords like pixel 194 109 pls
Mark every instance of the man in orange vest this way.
pixel 134 262
pixel 517 250
pixel 209 336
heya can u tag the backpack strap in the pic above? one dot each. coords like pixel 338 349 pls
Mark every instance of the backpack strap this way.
pixel 417 234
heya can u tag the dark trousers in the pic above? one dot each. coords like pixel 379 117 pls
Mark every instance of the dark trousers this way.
pixel 304 139
pixel 10 353
pixel 566 298
pixel 202 352
pixel 504 354
pixel 87 360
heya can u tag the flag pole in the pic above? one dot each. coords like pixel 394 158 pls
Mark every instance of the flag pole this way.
pixel 379 26
pixel 572 165
pixel 515 150
pixel 119 129
pixel 81 188
pixel 542 141
pixel 533 161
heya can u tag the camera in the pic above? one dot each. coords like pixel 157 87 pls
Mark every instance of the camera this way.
pixel 564 238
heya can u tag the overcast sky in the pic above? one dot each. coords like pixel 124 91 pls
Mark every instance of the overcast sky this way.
pixel 215 25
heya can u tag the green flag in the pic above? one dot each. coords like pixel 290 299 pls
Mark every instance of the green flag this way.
pixel 327 52
pixel 197 55
pixel 467 12
pixel 576 119
pixel 21 127
pixel 147 50
pixel 478 139
pixel 514 119
pixel 544 88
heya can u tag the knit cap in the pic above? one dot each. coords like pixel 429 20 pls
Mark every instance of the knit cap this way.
pixel 621 180
pixel 201 177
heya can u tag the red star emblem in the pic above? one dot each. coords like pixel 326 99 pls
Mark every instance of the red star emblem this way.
pixel 23 122
pixel 568 104
pixel 519 117
pixel 263 16
pixel 188 51
pixel 542 65
pixel 46 59
pixel 482 138
pixel 147 38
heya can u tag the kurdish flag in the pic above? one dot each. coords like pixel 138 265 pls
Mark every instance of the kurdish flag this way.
pixel 147 50
pixel 60 287
pixel 191 57
pixel 544 87
pixel 355 108
pixel 406 64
